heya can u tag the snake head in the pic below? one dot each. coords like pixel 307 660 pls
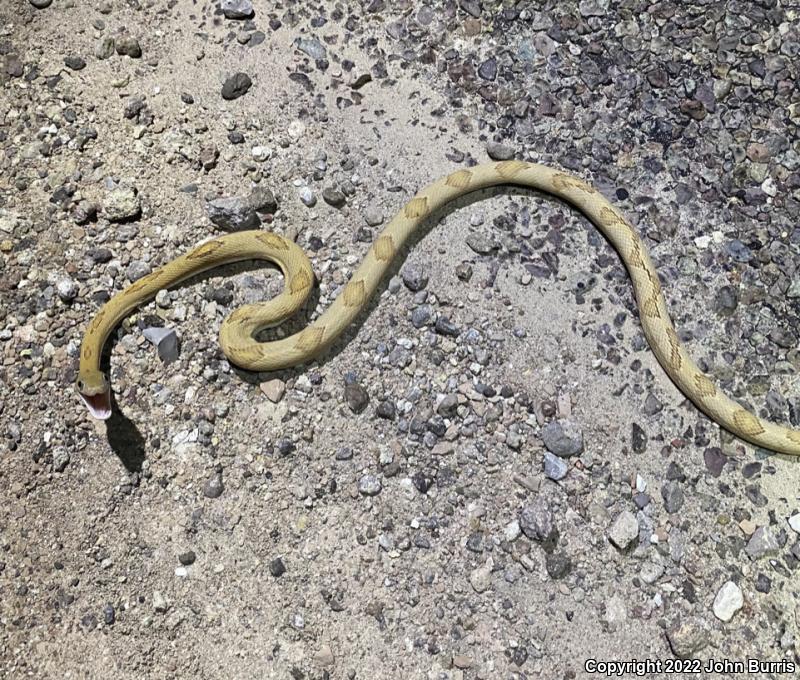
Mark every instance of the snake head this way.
pixel 94 389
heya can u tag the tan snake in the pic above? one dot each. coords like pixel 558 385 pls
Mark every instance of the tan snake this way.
pixel 238 329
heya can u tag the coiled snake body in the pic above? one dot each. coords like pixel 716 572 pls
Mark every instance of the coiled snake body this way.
pixel 237 331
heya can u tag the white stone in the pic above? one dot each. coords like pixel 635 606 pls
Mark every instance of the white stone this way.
pixel 728 601
pixel 481 578
pixel 261 153
pixel 624 531
pixel 794 522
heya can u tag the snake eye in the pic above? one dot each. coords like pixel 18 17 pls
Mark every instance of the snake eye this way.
pixel 80 385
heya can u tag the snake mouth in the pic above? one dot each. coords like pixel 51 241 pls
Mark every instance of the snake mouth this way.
pixel 99 405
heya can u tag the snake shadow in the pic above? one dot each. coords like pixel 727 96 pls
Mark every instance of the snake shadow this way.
pixel 123 436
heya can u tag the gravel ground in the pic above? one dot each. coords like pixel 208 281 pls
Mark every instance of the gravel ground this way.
pixel 490 476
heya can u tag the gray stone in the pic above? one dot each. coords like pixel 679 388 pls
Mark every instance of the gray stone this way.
pixel 356 397
pixel 213 487
pixel 235 213
pixel 481 578
pixel 464 270
pixel 75 63
pixel 369 485
pixel 593 8
pixel 128 46
pixel 555 467
pixel 187 558
pixel 471 7
pixel 263 200
pixel 67 289
pixel 333 196
pixel 261 153
pixel 672 493
pixel 499 152
pixel 762 542
pixel 137 269
pixel 651 572
pixel 725 301
pixel 105 47
pixel 41 4
pixel 165 341
pixel 237 9
pixel 122 204
pixel 421 316
pixel 624 530
pixel 414 276
pixel 728 601
pixel 373 216
pixel 84 212
pixel 447 406
pixel 312 47
pixel 324 657
pixel 236 86
pixel 536 520
pixel 563 438
pixel 739 251
pixel 558 565
pixel 160 603
pixel 60 458
pixel 488 71
pixel 208 157
pixel 277 568
pixel 481 243
pixel 687 639
pixel 652 405
pixel 307 197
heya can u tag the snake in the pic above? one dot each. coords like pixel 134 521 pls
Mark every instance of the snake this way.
pixel 238 331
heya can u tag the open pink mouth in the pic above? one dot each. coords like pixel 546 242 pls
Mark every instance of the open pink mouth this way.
pixel 99 405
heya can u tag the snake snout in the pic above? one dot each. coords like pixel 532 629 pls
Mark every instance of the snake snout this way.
pixel 99 405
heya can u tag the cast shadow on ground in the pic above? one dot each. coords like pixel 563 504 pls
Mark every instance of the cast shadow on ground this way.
pixel 123 435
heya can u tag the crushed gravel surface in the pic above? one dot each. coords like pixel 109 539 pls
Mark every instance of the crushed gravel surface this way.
pixel 490 476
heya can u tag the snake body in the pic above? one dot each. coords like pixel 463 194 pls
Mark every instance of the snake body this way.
pixel 238 330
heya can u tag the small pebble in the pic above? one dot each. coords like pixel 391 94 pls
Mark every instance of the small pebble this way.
pixel 128 46
pixel 236 86
pixel 624 531
pixel 555 467
pixel 563 438
pixel 273 389
pixel 187 558
pixel 237 9
pixel 67 289
pixel 356 397
pixel 369 485
pixel 165 340
pixel 728 601
pixel 277 567
pixel 213 487
pixel 499 152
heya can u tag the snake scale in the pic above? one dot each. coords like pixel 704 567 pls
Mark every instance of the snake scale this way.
pixel 238 330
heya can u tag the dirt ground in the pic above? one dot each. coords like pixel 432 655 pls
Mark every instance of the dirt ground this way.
pixel 489 476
